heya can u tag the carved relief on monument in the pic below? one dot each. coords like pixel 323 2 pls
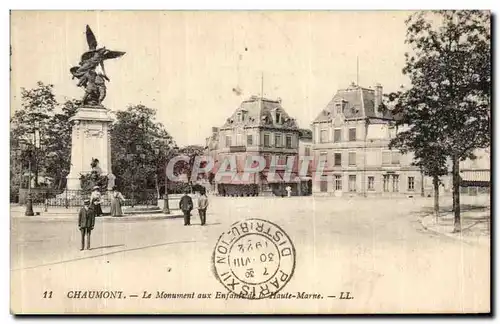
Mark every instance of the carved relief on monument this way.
pixel 94 131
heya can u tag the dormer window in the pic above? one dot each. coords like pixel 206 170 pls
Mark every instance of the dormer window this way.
pixel 338 108
pixel 241 115
pixel 278 118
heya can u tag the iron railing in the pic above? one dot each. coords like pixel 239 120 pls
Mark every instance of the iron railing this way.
pixel 75 198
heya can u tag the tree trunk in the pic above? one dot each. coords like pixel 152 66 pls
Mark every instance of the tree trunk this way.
pixel 157 186
pixel 456 195
pixel 422 192
pixel 36 172
pixel 435 182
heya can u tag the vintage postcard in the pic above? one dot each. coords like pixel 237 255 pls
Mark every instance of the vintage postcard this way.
pixel 250 162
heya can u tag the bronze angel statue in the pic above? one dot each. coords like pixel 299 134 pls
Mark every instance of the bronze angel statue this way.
pixel 91 73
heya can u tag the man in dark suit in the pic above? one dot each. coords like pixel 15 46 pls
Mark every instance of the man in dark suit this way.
pixel 86 221
pixel 186 205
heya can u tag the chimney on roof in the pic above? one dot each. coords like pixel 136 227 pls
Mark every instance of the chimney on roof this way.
pixel 378 97
pixel 215 130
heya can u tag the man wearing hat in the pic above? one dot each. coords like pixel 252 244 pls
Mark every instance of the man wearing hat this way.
pixel 95 201
pixel 186 205
pixel 86 221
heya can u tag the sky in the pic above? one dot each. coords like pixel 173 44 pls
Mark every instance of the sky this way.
pixel 185 64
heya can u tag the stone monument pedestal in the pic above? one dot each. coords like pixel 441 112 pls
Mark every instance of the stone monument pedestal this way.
pixel 90 139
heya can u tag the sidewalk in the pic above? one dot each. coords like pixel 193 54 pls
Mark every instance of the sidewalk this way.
pixel 476 226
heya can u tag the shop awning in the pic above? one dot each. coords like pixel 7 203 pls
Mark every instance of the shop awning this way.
pixel 475 175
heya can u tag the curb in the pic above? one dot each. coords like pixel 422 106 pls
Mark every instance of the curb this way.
pixel 445 234
pixel 128 218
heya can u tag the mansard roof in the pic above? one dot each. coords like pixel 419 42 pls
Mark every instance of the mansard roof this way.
pixel 258 111
pixel 357 102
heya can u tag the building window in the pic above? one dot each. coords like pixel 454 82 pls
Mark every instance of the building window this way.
pixel 337 135
pixel 239 139
pixel 386 182
pixel 323 138
pixel 323 185
pixel 266 140
pixel 283 159
pixel 249 140
pixel 267 157
pixel 386 158
pixel 352 134
pixel 228 140
pixel 352 183
pixel 371 183
pixel 278 141
pixel 289 141
pixel 338 182
pixel 238 117
pixel 352 158
pixel 395 183
pixel 338 108
pixel 323 157
pixel 278 118
pixel 307 151
pixel 411 183
pixel 337 159
pixel 395 157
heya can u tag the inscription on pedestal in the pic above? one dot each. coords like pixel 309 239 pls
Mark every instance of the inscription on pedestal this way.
pixel 94 130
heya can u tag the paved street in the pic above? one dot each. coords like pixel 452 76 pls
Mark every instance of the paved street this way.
pixel 375 249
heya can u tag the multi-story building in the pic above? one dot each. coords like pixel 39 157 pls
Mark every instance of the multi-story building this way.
pixel 258 127
pixel 351 135
pixel 305 150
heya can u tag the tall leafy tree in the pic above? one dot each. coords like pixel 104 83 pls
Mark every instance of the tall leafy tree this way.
pixel 139 149
pixel 427 153
pixel 191 151
pixel 58 139
pixel 37 106
pixel 448 104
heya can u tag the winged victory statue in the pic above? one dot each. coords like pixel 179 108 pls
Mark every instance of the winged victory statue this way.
pixel 90 72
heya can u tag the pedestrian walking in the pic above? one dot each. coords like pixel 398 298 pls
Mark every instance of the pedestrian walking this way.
pixel 289 191
pixel 95 201
pixel 86 221
pixel 116 203
pixel 202 207
pixel 186 205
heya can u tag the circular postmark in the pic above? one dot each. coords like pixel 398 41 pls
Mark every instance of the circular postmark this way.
pixel 254 259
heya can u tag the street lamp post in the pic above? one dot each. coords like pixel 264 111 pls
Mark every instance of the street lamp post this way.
pixel 29 200
pixel 166 207
pixel 32 144
pixel 130 158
